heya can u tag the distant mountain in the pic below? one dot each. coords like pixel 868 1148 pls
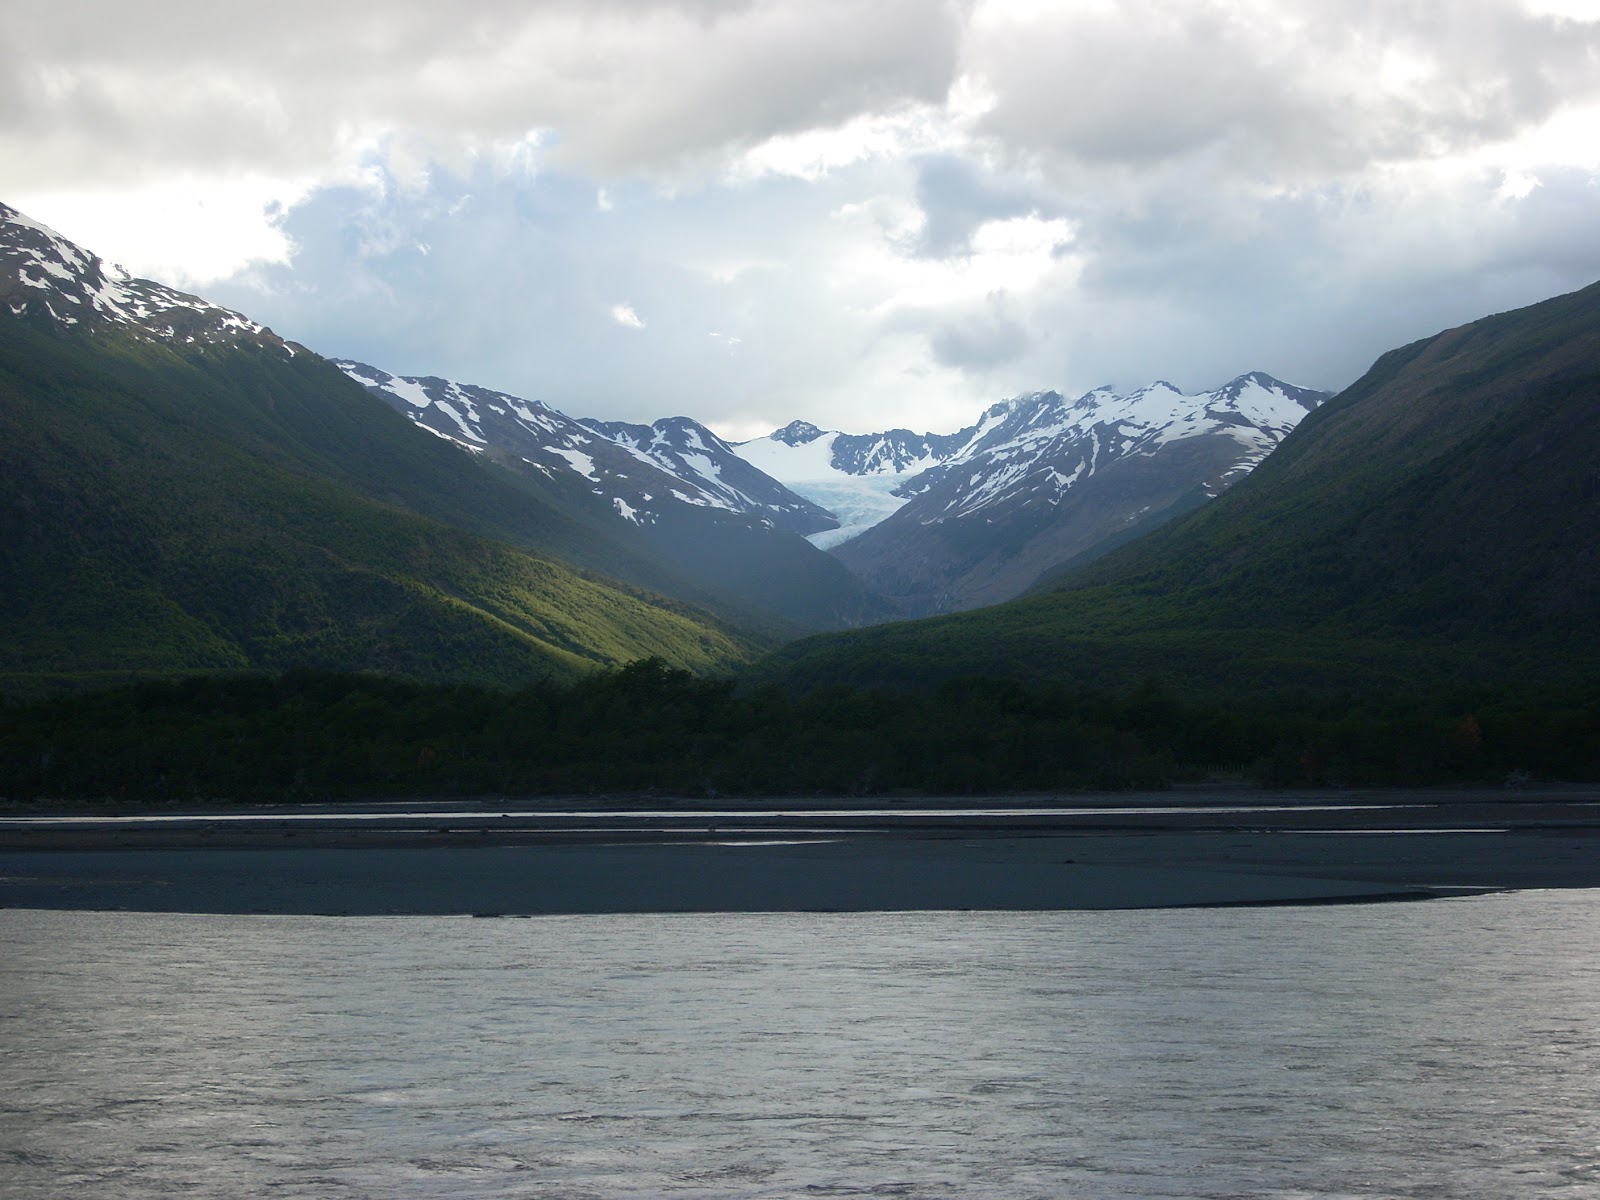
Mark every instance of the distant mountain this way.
pixel 641 471
pixel 947 522
pixel 1434 523
pixel 181 489
pixel 855 477
pixel 675 488
pixel 717 475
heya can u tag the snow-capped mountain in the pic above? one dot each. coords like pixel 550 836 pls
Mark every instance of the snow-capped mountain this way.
pixel 933 521
pixel 691 452
pixel 856 477
pixel 44 275
pixel 1040 445
pixel 639 470
pixel 941 522
pixel 675 485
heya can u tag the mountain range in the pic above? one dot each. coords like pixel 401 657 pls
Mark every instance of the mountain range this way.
pixel 1433 524
pixel 957 521
pixel 181 489
pixel 675 490
pixel 923 522
pixel 642 472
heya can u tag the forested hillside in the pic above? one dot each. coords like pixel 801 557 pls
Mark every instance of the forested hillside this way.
pixel 1434 524
pixel 166 510
pixel 648 729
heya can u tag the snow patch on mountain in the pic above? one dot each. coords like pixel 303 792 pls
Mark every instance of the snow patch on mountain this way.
pixel 408 391
pixel 45 274
pixel 636 471
pixel 581 462
pixel 857 477
pixel 1036 446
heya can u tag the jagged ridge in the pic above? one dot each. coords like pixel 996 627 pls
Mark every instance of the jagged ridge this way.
pixel 675 486
pixel 939 522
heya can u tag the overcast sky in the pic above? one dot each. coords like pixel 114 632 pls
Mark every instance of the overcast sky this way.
pixel 864 213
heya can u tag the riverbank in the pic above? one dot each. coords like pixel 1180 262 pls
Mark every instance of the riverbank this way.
pixel 1097 852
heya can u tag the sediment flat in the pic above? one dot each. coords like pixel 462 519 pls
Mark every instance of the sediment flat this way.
pixel 522 858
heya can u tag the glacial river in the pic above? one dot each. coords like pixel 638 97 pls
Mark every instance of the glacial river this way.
pixel 1446 1049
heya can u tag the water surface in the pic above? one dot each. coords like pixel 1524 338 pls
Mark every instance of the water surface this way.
pixel 1441 1049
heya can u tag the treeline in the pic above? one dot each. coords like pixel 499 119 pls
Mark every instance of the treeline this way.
pixel 650 728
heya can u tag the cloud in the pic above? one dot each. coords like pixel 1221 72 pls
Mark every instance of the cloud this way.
pixel 958 197
pixel 104 91
pixel 751 320
pixel 99 92
pixel 981 338
pixel 866 214
pixel 844 321
pixel 1296 88
pixel 180 232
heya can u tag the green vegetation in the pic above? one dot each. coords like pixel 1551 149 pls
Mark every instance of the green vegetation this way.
pixel 648 727
pixel 1406 592
pixel 228 508
pixel 1433 526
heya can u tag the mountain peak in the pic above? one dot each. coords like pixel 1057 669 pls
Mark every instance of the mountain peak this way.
pixel 1001 409
pixel 797 433
pixel 1306 398
pixel 44 275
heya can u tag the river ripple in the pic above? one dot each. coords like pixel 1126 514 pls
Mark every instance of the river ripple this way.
pixel 1419 1050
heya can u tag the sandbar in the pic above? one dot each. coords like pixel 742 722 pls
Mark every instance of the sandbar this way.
pixel 509 858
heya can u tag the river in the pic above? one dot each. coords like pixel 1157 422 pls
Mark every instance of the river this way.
pixel 1441 1049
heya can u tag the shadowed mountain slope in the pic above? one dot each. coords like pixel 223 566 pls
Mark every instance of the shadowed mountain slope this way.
pixel 1434 523
pixel 1046 479
pixel 719 532
pixel 943 522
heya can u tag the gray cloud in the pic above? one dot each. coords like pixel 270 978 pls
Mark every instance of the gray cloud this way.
pixel 1216 163
pixel 517 287
pixel 982 337
pixel 1322 85
pixel 99 90
pixel 115 91
pixel 957 197
pixel 517 290
pixel 1311 286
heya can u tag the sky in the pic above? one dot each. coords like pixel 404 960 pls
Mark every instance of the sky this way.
pixel 862 213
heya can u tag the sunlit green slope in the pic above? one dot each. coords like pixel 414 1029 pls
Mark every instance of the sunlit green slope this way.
pixel 171 509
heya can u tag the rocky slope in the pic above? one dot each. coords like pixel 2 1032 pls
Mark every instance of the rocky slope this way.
pixel 674 487
pixel 938 523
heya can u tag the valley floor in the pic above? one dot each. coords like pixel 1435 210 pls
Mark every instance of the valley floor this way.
pixel 1079 852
